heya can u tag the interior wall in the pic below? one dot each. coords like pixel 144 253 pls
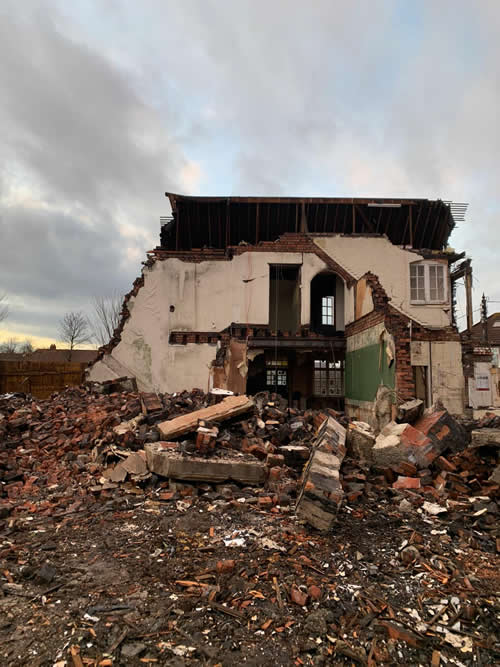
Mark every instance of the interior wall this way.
pixel 366 365
pixel 480 398
pixel 339 304
pixel 175 297
pixel 448 383
pixel 391 264
pixel 364 300
pixel 284 299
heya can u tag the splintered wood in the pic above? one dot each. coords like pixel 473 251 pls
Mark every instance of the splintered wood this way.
pixel 226 409
pixel 321 492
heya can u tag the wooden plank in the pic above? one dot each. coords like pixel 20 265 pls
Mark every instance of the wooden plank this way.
pixel 226 409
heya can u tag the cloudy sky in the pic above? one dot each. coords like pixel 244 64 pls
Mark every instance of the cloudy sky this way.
pixel 105 105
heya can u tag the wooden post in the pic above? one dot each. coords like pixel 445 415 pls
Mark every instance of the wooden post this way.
pixel 468 296
pixel 257 221
pixel 411 225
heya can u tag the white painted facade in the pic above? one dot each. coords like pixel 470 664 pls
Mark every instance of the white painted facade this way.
pixel 391 264
pixel 210 295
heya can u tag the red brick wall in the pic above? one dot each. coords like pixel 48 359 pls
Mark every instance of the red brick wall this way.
pixel 398 325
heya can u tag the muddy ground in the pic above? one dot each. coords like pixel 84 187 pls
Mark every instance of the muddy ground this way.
pixel 130 580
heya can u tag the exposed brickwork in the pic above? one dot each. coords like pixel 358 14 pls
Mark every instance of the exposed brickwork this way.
pixel 366 322
pixel 125 314
pixel 241 332
pixel 193 256
pixel 403 330
pixel 287 243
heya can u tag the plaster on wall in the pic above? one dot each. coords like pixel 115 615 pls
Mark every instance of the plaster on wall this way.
pixel 448 384
pixel 392 266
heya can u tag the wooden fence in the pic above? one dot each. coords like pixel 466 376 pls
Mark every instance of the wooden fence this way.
pixel 38 378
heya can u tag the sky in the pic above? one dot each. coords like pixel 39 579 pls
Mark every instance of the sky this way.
pixel 105 105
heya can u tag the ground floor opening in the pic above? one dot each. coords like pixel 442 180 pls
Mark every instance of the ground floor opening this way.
pixel 305 378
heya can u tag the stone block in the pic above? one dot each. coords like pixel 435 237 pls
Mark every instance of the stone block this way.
pixel 170 463
pixel 360 440
pixel 410 411
pixel 486 437
pixel 398 443
pixel 444 431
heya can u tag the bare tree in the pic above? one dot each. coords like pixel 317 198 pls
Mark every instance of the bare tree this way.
pixel 9 346
pixel 26 347
pixel 105 317
pixel 4 307
pixel 73 330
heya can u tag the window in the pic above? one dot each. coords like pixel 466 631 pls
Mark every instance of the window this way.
pixel 428 283
pixel 276 372
pixel 276 377
pixel 328 378
pixel 417 281
pixel 327 312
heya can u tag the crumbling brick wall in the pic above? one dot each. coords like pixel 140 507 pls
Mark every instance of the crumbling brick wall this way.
pixel 403 329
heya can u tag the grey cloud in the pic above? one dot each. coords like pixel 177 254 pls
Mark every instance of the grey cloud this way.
pixel 52 255
pixel 102 103
pixel 84 164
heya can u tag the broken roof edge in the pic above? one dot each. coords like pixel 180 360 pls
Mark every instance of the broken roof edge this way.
pixel 403 201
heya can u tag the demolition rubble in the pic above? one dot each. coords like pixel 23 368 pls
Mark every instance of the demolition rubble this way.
pixel 200 528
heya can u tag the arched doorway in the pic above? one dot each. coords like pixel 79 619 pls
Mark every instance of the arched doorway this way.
pixel 327 304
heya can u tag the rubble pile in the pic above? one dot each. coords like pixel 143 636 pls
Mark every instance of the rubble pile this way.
pixel 87 441
pixel 214 529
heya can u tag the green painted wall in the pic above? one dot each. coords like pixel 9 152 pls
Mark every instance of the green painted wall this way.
pixel 362 374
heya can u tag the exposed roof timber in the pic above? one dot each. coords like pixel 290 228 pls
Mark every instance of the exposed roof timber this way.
pixel 219 222
pixel 369 201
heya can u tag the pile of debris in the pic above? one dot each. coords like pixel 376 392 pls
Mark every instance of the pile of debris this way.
pixel 430 453
pixel 89 441
pixel 143 528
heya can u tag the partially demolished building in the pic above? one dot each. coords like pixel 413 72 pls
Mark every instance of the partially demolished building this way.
pixel 334 302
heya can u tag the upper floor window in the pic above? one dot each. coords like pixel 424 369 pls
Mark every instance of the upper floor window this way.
pixel 428 283
pixel 327 313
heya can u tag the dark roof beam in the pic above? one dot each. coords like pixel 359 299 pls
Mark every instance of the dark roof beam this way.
pixel 367 222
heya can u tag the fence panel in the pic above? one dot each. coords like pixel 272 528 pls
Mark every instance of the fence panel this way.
pixel 38 378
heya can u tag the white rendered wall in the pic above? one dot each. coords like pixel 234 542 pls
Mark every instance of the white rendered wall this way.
pixel 391 264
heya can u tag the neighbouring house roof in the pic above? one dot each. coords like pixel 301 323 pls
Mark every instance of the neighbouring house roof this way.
pixel 62 356
pixel 493 329
pixel 219 222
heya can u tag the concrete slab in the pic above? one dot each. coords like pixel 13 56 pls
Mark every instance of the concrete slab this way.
pixel 172 464
pixel 485 436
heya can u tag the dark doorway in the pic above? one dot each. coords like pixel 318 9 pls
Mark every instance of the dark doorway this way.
pixel 284 297
pixel 269 372
pixel 420 378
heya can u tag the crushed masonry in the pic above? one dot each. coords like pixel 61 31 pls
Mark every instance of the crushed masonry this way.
pixel 174 527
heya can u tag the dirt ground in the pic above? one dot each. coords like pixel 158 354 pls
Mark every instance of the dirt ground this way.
pixel 131 580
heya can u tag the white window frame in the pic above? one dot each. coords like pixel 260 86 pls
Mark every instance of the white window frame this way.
pixel 328 311
pixel 427 286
